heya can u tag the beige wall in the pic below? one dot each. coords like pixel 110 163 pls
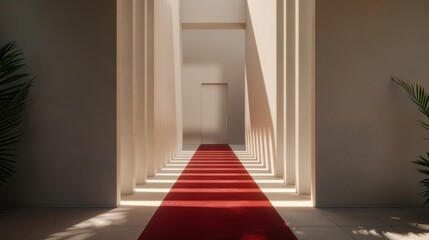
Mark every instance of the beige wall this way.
pixel 261 74
pixel 213 11
pixel 68 152
pixel 367 133
pixel 213 56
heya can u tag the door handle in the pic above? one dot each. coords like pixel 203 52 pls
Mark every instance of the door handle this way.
pixel 226 121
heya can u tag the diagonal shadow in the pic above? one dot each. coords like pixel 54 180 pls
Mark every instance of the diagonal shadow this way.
pixel 259 110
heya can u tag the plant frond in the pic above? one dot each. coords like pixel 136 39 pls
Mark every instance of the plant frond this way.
pixel 417 94
pixel 14 90
pixel 424 162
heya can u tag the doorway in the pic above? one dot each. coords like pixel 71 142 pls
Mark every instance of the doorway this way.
pixel 214 113
pixel 213 77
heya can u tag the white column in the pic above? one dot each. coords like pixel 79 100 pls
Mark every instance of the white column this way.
pixel 290 54
pixel 149 88
pixel 139 90
pixel 125 95
pixel 177 49
pixel 305 94
pixel 281 91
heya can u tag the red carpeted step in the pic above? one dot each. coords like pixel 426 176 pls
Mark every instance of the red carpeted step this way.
pixel 215 198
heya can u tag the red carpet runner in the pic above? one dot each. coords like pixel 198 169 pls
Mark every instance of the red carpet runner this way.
pixel 215 198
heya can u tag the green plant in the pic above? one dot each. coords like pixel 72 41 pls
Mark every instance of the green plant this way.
pixel 14 90
pixel 420 97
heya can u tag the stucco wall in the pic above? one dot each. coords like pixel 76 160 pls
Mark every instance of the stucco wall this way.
pixel 367 133
pixel 68 153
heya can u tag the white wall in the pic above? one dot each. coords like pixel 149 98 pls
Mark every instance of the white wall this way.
pixel 167 84
pixel 213 11
pixel 261 73
pixel 367 133
pixel 68 152
pixel 213 56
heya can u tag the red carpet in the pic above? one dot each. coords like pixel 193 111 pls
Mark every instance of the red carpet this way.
pixel 215 198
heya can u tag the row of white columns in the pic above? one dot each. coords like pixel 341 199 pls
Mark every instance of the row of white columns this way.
pixel 148 89
pixel 134 94
pixel 293 139
pixel 296 92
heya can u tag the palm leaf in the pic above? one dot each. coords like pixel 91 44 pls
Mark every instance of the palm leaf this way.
pixel 417 94
pixel 420 97
pixel 14 90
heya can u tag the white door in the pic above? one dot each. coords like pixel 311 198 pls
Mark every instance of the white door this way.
pixel 214 114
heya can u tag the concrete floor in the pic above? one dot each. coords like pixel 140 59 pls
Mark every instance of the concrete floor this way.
pixel 129 220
